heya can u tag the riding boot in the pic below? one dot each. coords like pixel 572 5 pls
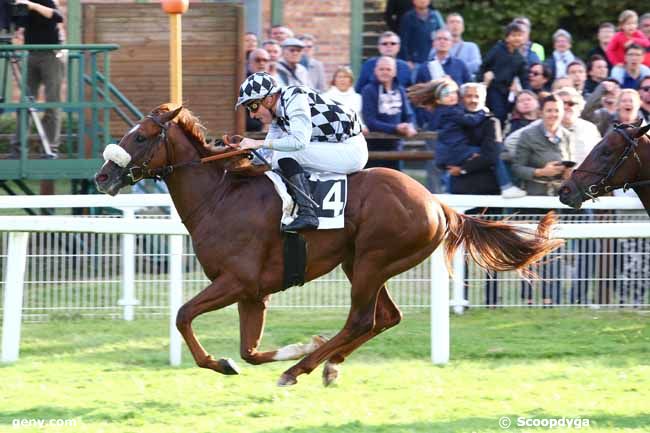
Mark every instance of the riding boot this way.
pixel 306 218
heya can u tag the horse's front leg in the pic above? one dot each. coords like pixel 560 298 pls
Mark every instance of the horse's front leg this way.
pixel 224 290
pixel 252 317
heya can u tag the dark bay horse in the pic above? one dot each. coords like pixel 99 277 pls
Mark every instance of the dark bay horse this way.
pixel 392 223
pixel 620 160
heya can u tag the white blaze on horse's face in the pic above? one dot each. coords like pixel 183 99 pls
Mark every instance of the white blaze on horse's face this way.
pixel 117 154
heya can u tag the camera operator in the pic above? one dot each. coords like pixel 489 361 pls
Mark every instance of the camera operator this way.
pixel 40 20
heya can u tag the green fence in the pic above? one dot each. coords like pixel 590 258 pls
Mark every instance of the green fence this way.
pixel 86 108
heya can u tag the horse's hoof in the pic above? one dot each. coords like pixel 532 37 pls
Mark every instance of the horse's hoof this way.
pixel 330 373
pixel 318 340
pixel 287 380
pixel 227 366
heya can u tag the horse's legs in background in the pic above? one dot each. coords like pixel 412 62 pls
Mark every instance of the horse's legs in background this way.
pixel 360 321
pixel 222 292
pixel 387 315
pixel 371 271
pixel 252 316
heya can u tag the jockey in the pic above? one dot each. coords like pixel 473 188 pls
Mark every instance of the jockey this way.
pixel 307 130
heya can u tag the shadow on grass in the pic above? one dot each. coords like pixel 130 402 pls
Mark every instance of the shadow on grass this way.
pixel 466 425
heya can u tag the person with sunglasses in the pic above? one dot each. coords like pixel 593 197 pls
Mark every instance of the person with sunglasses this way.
pixel 584 134
pixel 539 78
pixel 388 46
pixel 307 131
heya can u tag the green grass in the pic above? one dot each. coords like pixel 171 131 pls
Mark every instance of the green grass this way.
pixel 112 376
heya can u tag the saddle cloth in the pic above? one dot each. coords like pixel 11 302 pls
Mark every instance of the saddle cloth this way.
pixel 329 190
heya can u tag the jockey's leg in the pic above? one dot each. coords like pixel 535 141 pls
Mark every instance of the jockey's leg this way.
pixel 347 157
pixel 252 316
pixel 344 158
pixel 299 189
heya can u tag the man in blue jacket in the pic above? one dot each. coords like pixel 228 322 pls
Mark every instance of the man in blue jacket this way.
pixel 388 45
pixel 386 109
pixel 417 29
pixel 443 63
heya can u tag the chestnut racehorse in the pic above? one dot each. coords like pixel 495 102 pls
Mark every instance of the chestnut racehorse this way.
pixel 392 223
pixel 620 160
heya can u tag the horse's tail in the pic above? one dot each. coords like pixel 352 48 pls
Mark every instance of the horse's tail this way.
pixel 498 246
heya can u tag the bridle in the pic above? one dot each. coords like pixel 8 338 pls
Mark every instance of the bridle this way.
pixel 630 151
pixel 135 173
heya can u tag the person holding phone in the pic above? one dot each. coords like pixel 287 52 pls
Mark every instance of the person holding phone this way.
pixel 541 149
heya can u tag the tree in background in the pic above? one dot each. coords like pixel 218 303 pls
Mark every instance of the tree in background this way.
pixel 485 20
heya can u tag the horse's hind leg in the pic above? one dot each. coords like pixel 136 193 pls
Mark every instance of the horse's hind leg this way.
pixel 222 292
pixel 366 284
pixel 252 316
pixel 387 315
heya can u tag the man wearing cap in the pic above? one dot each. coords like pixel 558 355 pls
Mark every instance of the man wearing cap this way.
pixel 289 71
pixel 306 130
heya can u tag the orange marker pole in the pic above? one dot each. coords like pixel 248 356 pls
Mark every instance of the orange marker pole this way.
pixel 175 9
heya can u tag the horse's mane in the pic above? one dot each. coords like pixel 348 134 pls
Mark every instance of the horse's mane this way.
pixel 188 122
pixel 195 132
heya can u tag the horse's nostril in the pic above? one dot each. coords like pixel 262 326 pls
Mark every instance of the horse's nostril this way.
pixel 101 178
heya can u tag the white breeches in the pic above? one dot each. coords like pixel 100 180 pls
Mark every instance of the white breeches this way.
pixel 344 158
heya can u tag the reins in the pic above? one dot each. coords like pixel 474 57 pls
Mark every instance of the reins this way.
pixel 630 150
pixel 136 173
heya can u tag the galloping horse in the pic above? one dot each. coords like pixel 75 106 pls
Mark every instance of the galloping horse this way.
pixel 392 223
pixel 620 160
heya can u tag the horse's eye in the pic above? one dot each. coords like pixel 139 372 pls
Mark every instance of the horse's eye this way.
pixel 607 152
pixel 140 138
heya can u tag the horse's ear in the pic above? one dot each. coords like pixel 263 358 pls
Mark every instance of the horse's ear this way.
pixel 642 131
pixel 169 115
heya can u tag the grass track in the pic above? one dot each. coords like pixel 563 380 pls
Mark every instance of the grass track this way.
pixel 112 376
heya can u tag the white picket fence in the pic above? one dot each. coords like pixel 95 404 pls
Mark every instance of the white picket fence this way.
pixel 430 278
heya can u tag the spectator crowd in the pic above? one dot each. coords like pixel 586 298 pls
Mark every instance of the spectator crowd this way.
pixel 514 120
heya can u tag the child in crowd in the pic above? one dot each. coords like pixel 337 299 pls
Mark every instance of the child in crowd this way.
pixel 455 144
pixel 628 24
pixel 502 64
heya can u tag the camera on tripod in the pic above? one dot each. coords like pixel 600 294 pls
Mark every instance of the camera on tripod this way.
pixel 18 10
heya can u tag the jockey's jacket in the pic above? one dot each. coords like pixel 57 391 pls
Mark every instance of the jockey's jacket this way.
pixel 303 116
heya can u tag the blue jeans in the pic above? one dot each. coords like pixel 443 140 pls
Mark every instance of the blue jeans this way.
pixel 498 103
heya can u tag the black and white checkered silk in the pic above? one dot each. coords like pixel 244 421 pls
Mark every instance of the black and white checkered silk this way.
pixel 330 120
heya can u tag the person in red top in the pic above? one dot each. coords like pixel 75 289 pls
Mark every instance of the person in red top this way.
pixel 628 23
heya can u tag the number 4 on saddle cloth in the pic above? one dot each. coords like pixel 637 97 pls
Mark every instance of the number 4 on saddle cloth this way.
pixel 328 190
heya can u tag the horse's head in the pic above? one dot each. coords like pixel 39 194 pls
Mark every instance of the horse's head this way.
pixel 615 161
pixel 138 155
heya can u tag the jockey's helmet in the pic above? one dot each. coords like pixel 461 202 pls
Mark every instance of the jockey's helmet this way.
pixel 257 86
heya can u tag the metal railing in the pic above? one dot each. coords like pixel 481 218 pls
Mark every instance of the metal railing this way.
pixel 87 105
pixel 91 274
